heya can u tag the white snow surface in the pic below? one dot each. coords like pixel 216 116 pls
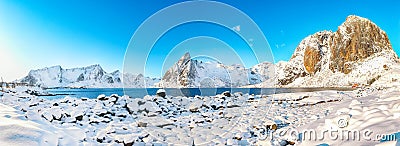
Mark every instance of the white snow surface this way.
pixel 238 119
pixel 21 128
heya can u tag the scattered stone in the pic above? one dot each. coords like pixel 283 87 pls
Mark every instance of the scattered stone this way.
pixel 238 94
pixel 286 142
pixel 161 93
pixel 231 105
pixel 195 105
pixel 251 97
pixel 48 116
pixel 231 142
pixel 36 104
pixel 133 107
pixel 142 124
pixel 227 94
pixel 114 98
pixel 79 118
pixel 150 107
pixel 148 98
pixel 270 125
pixel 102 97
pixel 238 136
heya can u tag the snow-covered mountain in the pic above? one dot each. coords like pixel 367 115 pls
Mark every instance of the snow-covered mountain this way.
pixel 91 76
pixel 138 81
pixel 359 52
pixel 188 72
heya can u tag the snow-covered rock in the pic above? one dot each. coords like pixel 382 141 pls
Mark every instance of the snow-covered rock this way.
pixel 161 92
pixel 359 52
pixel 195 105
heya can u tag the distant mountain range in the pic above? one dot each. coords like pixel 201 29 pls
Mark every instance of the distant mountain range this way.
pixel 359 52
pixel 192 73
pixel 89 77
pixel 188 72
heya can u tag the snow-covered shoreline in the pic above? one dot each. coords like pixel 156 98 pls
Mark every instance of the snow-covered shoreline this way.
pixel 226 119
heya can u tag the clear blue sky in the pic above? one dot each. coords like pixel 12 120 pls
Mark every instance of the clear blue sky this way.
pixel 41 33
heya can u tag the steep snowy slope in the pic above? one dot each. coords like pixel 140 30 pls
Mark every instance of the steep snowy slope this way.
pixel 188 72
pixel 357 53
pixel 138 81
pixel 49 75
pixel 91 77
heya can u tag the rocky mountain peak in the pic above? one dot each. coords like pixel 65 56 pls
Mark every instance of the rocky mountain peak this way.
pixel 315 48
pixel 188 72
pixel 355 18
pixel 181 73
pixel 95 67
pixel 116 72
pixel 53 68
pixel 184 60
pixel 355 40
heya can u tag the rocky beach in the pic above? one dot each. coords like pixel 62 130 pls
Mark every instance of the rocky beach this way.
pixel 226 119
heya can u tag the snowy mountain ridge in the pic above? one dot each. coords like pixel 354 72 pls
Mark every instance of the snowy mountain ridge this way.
pixel 188 73
pixel 359 52
pixel 89 77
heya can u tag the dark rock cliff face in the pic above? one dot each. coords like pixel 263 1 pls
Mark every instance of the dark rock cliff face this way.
pixel 356 39
pixel 80 78
pixel 313 54
pixel 187 72
pixel 307 59
pixel 29 79
pixel 182 73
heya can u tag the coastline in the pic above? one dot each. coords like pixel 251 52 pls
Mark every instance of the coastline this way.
pixel 141 92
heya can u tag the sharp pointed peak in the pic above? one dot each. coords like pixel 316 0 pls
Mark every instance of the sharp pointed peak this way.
pixel 186 55
pixel 355 17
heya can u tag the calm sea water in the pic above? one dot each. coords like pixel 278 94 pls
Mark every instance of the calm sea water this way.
pixel 141 92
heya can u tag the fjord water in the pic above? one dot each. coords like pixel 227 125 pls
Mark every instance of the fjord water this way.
pixel 141 92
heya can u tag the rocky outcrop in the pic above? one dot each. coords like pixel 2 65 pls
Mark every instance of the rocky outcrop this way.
pixel 356 39
pixel 187 71
pixel 309 57
pixel 183 73
pixel 314 53
pixel 337 52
